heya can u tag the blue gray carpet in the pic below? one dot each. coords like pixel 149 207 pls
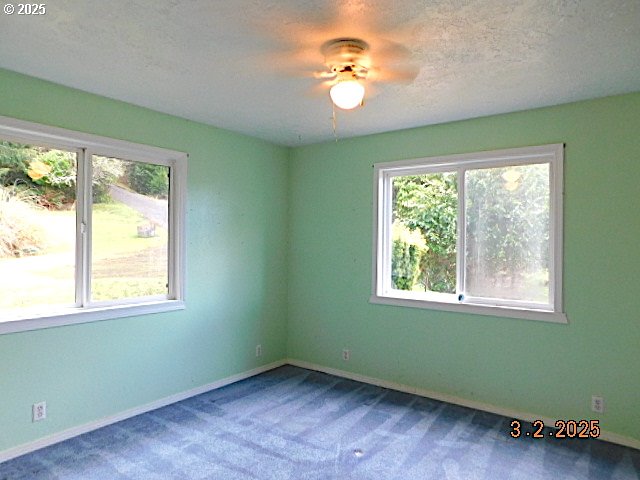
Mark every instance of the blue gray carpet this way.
pixel 292 423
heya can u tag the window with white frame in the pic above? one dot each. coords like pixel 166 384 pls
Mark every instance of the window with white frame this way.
pixel 90 227
pixel 479 232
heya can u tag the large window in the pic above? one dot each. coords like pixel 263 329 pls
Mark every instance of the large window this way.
pixel 480 233
pixel 90 227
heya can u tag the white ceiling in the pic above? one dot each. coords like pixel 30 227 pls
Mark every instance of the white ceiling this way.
pixel 239 64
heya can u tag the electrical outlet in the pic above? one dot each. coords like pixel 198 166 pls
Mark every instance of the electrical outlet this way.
pixel 258 350
pixel 39 411
pixel 597 403
pixel 346 355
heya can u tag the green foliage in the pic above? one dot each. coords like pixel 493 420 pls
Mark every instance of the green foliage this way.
pixel 507 224
pixel 507 229
pixel 50 175
pixel 20 230
pixel 105 172
pixel 46 175
pixel 428 204
pixel 408 249
pixel 58 181
pixel 62 168
pixel 14 162
pixel 148 179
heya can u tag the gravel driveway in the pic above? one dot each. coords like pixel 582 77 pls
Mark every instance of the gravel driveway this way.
pixel 153 209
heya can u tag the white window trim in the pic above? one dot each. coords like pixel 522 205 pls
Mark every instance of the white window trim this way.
pixel 384 294
pixel 86 145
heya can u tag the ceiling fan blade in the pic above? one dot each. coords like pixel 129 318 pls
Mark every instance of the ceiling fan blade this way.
pixel 404 75
pixel 388 52
pixel 325 75
pixel 320 89
pixel 296 63
pixel 301 73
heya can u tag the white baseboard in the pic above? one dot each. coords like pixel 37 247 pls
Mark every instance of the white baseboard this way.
pixel 103 422
pixel 528 417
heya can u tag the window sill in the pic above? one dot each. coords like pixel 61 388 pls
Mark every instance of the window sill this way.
pixel 72 316
pixel 489 310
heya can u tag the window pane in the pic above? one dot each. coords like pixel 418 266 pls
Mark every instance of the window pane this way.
pixel 130 229
pixel 507 233
pixel 424 232
pixel 37 226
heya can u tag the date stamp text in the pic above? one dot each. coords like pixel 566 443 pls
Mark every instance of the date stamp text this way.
pixel 561 429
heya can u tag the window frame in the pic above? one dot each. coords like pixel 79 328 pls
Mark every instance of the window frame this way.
pixel 382 293
pixel 86 145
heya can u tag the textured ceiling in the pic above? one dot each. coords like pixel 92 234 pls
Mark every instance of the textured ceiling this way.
pixel 244 64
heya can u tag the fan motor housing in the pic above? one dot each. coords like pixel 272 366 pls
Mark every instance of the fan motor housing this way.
pixel 346 54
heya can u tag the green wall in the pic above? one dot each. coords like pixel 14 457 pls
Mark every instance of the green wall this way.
pixel 236 276
pixel 247 200
pixel 542 368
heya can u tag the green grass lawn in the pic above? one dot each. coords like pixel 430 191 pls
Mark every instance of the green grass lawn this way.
pixel 124 265
pixel 115 231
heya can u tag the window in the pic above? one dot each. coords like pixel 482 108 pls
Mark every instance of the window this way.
pixel 479 233
pixel 90 227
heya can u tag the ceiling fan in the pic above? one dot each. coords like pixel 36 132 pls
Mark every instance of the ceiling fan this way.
pixel 350 66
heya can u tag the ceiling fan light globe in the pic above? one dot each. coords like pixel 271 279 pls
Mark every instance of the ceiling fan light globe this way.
pixel 347 95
